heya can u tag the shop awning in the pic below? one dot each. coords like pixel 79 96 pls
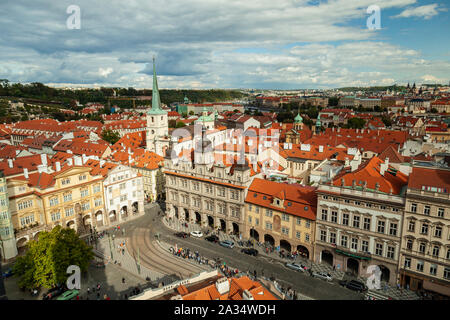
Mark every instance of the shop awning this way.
pixel 352 255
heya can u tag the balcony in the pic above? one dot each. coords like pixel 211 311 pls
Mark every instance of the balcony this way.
pixel 30 230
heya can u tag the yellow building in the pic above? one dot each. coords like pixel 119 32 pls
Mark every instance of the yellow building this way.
pixel 70 197
pixel 281 215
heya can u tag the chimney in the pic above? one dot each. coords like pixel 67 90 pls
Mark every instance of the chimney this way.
pixel 377 186
pixel 44 159
pixel 58 166
pixel 25 173
pixel 102 163
pixel 320 148
pixel 347 162
pixel 342 182
pixel 84 158
pixel 41 168
pixel 10 163
pixel 70 161
pixel 386 161
pixel 365 185
pixel 353 184
pixel 222 285
pixel 77 161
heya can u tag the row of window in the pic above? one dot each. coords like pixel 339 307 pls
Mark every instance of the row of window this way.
pixel 423 246
pixel 26 220
pixel 357 223
pixel 425 228
pixel 355 244
pixel 66 181
pixel 433 268
pixel 440 212
pixel 220 191
pixel 68 196
pixel 285 217
pixel 363 204
pixel 284 230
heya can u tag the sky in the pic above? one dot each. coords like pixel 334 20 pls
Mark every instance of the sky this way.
pixel 201 44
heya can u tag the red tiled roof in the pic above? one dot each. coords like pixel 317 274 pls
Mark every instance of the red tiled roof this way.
pixel 370 173
pixel 303 199
pixel 426 178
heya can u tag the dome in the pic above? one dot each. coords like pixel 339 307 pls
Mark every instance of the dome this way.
pixel 298 118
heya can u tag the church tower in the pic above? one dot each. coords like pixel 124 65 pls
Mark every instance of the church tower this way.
pixel 157 121
pixel 298 122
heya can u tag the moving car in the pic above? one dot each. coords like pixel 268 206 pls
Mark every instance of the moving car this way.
pixel 323 276
pixel 197 234
pixel 68 295
pixel 296 266
pixel 54 292
pixel 353 285
pixel 250 251
pixel 182 234
pixel 227 244
pixel 8 273
pixel 212 238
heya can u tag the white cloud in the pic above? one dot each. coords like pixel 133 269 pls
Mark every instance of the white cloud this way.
pixel 201 42
pixel 105 72
pixel 426 12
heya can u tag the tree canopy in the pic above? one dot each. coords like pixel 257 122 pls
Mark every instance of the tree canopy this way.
pixel 110 136
pixel 46 260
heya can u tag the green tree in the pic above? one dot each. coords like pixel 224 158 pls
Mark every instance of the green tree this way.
pixel 355 123
pixel 180 124
pixel 110 136
pixel 386 120
pixel 191 113
pixel 333 101
pixel 172 123
pixel 46 260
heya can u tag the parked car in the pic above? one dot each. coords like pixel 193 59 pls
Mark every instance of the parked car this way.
pixel 250 251
pixel 212 238
pixel 227 244
pixel 8 273
pixel 296 266
pixel 323 276
pixel 197 234
pixel 54 292
pixel 353 285
pixel 68 295
pixel 182 234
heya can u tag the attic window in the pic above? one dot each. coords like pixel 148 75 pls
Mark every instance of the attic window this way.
pixel 306 208
pixel 289 204
pixel 255 195
pixel 265 198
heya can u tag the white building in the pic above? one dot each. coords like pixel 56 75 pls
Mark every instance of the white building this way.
pixel 124 195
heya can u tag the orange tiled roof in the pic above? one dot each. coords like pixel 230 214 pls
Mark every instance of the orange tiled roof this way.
pixel 370 173
pixel 237 287
pixel 427 178
pixel 303 199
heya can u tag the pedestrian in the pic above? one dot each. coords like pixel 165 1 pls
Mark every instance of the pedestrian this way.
pixel 334 268
pixel 123 280
pixel 88 291
pixel 98 295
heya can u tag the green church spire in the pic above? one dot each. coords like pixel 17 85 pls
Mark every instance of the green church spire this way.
pixel 156 101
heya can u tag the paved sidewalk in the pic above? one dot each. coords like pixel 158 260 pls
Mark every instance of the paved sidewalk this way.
pixel 125 261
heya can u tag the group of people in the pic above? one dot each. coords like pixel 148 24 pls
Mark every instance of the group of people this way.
pixel 188 254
